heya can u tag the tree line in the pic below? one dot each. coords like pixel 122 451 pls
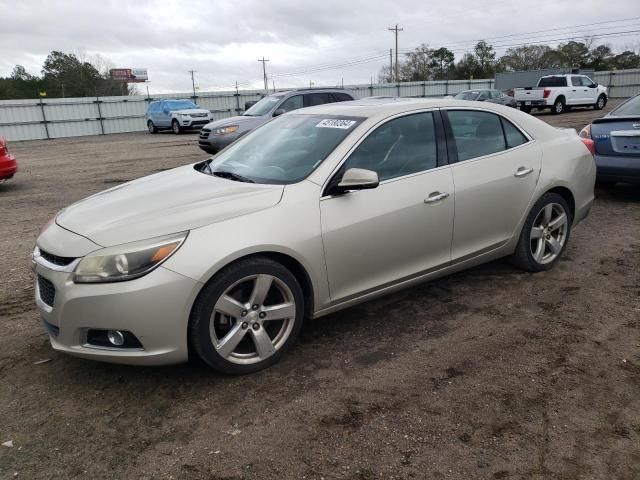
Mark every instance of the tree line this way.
pixel 63 75
pixel 426 63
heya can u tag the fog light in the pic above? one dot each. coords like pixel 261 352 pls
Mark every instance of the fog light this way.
pixel 115 337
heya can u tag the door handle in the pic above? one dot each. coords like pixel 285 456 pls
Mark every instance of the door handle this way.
pixel 436 197
pixel 523 172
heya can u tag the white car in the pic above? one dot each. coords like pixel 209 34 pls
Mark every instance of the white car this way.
pixel 559 92
pixel 317 210
pixel 176 115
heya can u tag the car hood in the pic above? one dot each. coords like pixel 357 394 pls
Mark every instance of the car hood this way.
pixel 243 122
pixel 189 111
pixel 172 201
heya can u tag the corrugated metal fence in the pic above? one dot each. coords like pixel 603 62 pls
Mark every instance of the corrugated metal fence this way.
pixel 71 117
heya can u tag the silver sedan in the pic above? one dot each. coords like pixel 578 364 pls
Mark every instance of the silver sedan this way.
pixel 317 210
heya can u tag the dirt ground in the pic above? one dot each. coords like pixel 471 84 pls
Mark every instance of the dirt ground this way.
pixel 490 374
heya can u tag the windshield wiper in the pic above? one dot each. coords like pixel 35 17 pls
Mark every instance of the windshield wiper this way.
pixel 232 176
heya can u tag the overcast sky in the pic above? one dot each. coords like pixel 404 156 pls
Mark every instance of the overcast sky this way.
pixel 222 40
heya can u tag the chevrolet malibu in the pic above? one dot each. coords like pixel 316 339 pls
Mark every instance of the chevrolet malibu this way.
pixel 315 211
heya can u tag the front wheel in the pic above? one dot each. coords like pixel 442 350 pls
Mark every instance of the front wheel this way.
pixel 151 127
pixel 601 103
pixel 247 317
pixel 544 235
pixel 175 126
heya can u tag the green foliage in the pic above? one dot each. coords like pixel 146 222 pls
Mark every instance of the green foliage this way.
pixel 63 75
pixel 437 64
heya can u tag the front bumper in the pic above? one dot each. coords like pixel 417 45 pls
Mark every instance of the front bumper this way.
pixel 195 122
pixel 8 167
pixel 214 143
pixel 618 168
pixel 155 308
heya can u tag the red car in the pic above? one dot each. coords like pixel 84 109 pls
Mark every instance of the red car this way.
pixel 8 164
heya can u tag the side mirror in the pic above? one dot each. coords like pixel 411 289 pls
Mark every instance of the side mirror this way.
pixel 279 112
pixel 356 179
pixel 593 85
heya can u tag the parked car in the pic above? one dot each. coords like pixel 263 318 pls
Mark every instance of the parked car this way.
pixel 315 211
pixel 8 163
pixel 492 96
pixel 177 115
pixel 217 135
pixel 561 92
pixel 617 143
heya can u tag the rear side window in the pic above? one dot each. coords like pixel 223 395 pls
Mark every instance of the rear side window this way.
pixel 476 133
pixel 341 97
pixel 482 133
pixel 154 107
pixel 513 136
pixel 312 99
pixel 553 82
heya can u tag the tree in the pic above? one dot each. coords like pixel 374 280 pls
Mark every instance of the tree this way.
pixel 485 59
pixel 418 65
pixel 441 63
pixel 626 59
pixel 527 57
pixel 574 54
pixel 467 67
pixel 20 73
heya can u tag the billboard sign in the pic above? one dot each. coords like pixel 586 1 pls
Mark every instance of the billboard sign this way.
pixel 129 75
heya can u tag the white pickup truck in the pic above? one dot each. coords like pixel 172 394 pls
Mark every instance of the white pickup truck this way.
pixel 561 92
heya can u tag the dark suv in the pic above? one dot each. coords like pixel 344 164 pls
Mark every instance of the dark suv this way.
pixel 217 135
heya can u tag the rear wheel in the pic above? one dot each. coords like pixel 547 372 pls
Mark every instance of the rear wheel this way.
pixel 558 106
pixel 601 103
pixel 151 127
pixel 544 235
pixel 175 126
pixel 247 317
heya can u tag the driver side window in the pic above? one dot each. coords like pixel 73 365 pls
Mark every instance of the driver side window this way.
pixel 291 103
pixel 400 147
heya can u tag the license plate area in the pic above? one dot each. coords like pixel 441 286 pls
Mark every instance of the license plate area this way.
pixel 626 142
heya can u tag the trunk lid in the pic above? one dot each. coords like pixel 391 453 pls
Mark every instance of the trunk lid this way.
pixel 617 136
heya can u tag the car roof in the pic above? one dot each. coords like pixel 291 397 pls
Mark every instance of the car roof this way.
pixel 381 106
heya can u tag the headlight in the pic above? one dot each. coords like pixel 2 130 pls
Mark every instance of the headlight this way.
pixel 127 261
pixel 225 130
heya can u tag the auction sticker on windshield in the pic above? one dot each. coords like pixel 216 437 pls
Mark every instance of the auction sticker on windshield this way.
pixel 336 123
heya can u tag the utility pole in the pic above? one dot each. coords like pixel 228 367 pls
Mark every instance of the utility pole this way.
pixel 264 72
pixel 396 30
pixel 193 84
pixel 390 65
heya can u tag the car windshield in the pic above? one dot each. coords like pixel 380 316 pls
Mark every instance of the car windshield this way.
pixel 283 151
pixel 467 95
pixel 630 107
pixel 181 105
pixel 264 106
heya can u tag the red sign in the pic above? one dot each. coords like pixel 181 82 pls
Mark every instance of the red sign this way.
pixel 129 75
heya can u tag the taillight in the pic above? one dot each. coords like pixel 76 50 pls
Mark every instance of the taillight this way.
pixel 586 132
pixel 590 144
pixel 3 146
pixel 546 92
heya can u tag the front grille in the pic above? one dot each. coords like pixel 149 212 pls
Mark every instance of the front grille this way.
pixel 204 133
pixel 199 122
pixel 47 290
pixel 55 259
pixel 198 115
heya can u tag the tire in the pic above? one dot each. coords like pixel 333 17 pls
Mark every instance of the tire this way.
pixel 151 127
pixel 525 109
pixel 558 106
pixel 537 254
pixel 175 127
pixel 601 102
pixel 246 340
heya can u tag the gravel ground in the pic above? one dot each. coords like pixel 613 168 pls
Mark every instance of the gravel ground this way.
pixel 491 373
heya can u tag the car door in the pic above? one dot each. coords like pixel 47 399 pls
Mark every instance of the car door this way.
pixel 590 95
pixel 403 227
pixel 576 94
pixel 163 115
pixel 495 173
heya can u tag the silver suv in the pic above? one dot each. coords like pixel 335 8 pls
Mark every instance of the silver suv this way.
pixel 217 135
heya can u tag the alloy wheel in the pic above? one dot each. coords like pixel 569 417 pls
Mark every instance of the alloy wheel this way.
pixel 549 233
pixel 600 103
pixel 176 127
pixel 252 319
